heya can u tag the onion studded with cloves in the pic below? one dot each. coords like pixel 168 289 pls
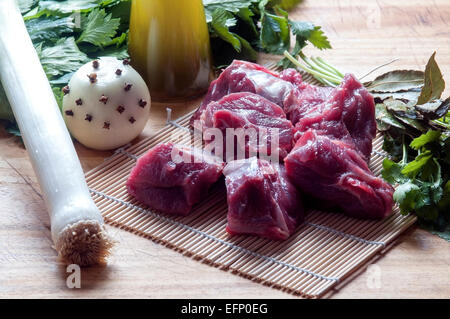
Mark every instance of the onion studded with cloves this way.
pixel 106 104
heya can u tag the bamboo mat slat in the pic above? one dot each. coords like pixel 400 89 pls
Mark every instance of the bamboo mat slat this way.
pixel 325 251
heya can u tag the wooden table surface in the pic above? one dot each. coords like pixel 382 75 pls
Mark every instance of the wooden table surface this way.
pixel 363 36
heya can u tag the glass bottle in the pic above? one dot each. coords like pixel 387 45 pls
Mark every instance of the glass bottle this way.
pixel 169 45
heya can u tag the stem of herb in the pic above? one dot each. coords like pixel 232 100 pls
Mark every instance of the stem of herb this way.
pixel 317 67
pixel 319 75
pixel 442 123
pixel 324 64
pixel 405 151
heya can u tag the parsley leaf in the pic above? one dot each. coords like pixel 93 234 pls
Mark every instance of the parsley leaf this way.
pixel 275 36
pixel 26 5
pixel 264 24
pixel 423 186
pixel 49 29
pixel 429 137
pixel 63 57
pixel 221 21
pixel 67 7
pixel 413 168
pixel 233 6
pixel 100 28
pixel 407 195
pixel 304 32
pixel 318 38
pixel 53 26
pixel 392 172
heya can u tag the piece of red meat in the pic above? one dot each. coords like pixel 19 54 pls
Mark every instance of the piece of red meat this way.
pixel 292 75
pixel 330 171
pixel 347 114
pixel 326 119
pixel 255 114
pixel 359 114
pixel 261 200
pixel 242 76
pixel 171 178
pixel 309 98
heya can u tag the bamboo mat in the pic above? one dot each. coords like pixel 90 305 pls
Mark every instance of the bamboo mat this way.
pixel 320 255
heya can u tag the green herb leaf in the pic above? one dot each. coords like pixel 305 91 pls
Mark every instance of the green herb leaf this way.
pixel 57 92
pixel 304 31
pixel 421 190
pixel 319 39
pixel 100 28
pixel 233 6
pixel 63 57
pixel 406 195
pixel 424 139
pixel 444 203
pixel 246 15
pixel 413 168
pixel 221 21
pixel 275 34
pixel 392 172
pixel 49 29
pixel 247 51
pixel 119 52
pixel 393 145
pixel 431 171
pixel 6 112
pixel 68 7
pixel 434 83
pixel 26 5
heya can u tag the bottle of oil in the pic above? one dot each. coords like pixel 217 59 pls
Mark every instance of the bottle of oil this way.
pixel 169 46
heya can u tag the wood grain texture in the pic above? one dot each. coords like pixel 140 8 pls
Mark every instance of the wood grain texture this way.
pixel 364 35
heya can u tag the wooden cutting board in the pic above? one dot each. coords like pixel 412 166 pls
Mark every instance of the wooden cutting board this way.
pixel 363 36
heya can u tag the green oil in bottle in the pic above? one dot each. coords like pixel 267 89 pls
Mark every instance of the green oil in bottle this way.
pixel 169 45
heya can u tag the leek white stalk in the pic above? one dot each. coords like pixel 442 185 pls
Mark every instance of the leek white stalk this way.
pixel 76 224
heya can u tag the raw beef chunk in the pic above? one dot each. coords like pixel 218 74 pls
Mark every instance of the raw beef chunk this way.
pixel 172 178
pixel 261 200
pixel 348 114
pixel 309 98
pixel 242 76
pixel 292 76
pixel 264 120
pixel 326 119
pixel 359 114
pixel 332 172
